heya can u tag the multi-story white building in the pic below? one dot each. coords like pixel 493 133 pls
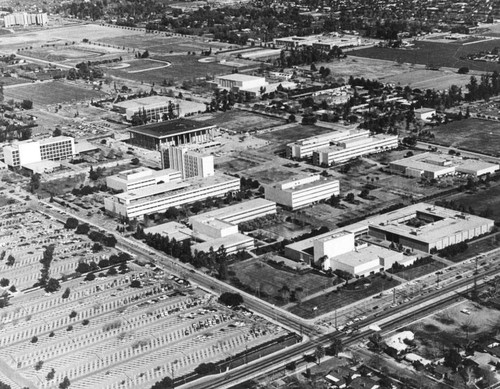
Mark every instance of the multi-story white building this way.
pixel 301 192
pixel 158 198
pixel 153 107
pixel 26 152
pixel 352 148
pixel 304 148
pixel 240 82
pixel 188 161
pixel 25 19
pixel 140 178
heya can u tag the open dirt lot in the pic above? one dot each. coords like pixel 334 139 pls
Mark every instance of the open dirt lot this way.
pixel 243 121
pixel 52 92
pixel 478 135
pixel 63 34
pixel 72 54
pixel 437 54
pixel 159 43
pixel 292 133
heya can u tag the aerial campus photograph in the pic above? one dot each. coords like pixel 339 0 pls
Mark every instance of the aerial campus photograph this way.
pixel 238 194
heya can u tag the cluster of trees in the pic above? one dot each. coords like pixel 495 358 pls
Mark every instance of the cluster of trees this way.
pixel 145 54
pixel 487 86
pixel 94 175
pixel 85 71
pixel 231 299
pixel 260 222
pixel 47 257
pixel 120 259
pixel 87 189
pixel 307 55
pixel 397 267
pixel 453 249
pixel 164 383
pixel 222 101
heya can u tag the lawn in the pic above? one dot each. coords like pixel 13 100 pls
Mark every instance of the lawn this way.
pixel 470 134
pixel 56 92
pixel 184 67
pixel 435 53
pixel 478 247
pixel 342 297
pixel 266 281
pixel 243 121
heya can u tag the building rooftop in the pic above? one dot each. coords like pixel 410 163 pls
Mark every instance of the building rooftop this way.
pixel 302 182
pixel 350 143
pixel 143 102
pixel 239 77
pixel 226 241
pixel 169 128
pixel 447 222
pixel 173 230
pixel 167 189
pixel 363 255
pixel 228 212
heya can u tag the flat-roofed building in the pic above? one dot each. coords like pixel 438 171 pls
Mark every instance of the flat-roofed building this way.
pixel 240 82
pixel 189 162
pixel 425 114
pixel 30 151
pixel 154 107
pixel 426 227
pixel 352 148
pixel 158 198
pixel 239 213
pixel 25 19
pixel 304 148
pixel 301 192
pixel 141 177
pixel 434 166
pixel 232 243
pixel 171 133
pixel 173 230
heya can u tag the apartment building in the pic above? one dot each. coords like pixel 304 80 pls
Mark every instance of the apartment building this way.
pixel 26 152
pixel 188 161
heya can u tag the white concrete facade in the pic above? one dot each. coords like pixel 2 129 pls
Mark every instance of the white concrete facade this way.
pixel 26 152
pixel 301 192
pixel 187 161
pixel 240 82
pixel 140 178
pixel 353 148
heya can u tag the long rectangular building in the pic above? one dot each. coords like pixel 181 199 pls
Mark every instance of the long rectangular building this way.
pixel 158 198
pixel 353 148
pixel 426 227
pixel 301 192
pixel 170 133
pixel 140 178
pixel 304 148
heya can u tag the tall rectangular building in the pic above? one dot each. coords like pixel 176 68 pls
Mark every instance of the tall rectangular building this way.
pixel 29 151
pixel 189 162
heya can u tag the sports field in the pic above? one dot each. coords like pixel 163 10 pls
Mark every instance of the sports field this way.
pixel 55 92
pixel 471 134
pixel 435 53
pixel 428 79
pixel 183 67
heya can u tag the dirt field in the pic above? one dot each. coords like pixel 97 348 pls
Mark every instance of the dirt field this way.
pixel 470 134
pixel 272 175
pixel 293 133
pixel 51 93
pixel 158 43
pixel 243 121
pixel 428 79
pixel 437 54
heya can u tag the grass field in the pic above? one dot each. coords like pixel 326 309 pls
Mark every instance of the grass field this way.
pixel 471 134
pixel 428 79
pixel 437 54
pixel 13 81
pixel 334 300
pixel 268 280
pixel 184 67
pixel 243 121
pixel 55 92
pixel 64 54
pixel 478 247
pixel 293 134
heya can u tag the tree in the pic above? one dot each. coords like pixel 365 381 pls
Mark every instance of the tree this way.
pixel 65 383
pixel 165 383
pixel 285 292
pixel 4 282
pixel 452 359
pixel 364 193
pixel 319 353
pixel 96 247
pixel 89 277
pixel 135 161
pixel 51 374
pixel 35 182
pixel 172 213
pixel 65 295
pixel 336 347
pixel 27 104
pixel 38 365
pixel 57 132
pixel 82 229
pixel 135 284
pixel 85 322
pixel 349 197
pixel 10 260
pixel 231 299
pixel 463 70
pixel 34 339
pixel 71 223
pixel 73 314
pixel 52 285
pixel 13 289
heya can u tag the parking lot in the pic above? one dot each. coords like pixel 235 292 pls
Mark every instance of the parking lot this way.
pixel 108 332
